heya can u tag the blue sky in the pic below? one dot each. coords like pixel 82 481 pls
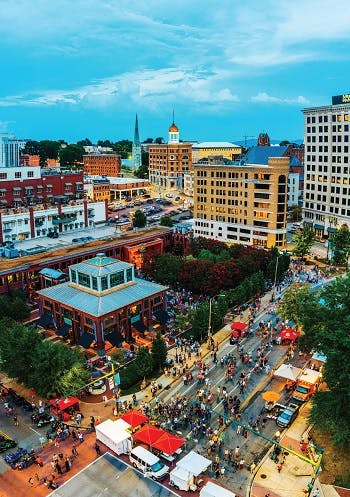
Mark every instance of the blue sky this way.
pixel 82 68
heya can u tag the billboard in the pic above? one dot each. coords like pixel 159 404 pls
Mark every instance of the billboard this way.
pixel 341 99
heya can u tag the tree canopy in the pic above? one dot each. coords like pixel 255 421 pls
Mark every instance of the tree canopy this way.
pixel 324 317
pixel 303 241
pixel 158 352
pixel 139 219
pixel 71 155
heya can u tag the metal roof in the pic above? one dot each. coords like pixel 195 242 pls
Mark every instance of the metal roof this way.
pixel 51 273
pixel 260 155
pixel 99 305
pixel 215 145
pixel 101 266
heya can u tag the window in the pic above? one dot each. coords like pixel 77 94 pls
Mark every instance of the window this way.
pixel 84 279
pixel 117 278
pixel 73 276
pixel 94 283
pixel 129 274
pixel 3 175
pixel 18 174
pixel 30 174
pixel 104 283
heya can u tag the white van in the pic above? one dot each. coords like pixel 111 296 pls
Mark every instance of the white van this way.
pixel 148 463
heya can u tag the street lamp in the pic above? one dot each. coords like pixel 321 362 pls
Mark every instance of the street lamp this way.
pixel 275 279
pixel 210 311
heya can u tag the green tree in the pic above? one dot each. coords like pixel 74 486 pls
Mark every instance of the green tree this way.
pixel 142 171
pixel 143 362
pixel 340 241
pixel 159 352
pixel 123 148
pixel 73 379
pixel 167 268
pixel 139 219
pixel 71 155
pixel 200 322
pixel 13 307
pixel 303 242
pixel 295 302
pixel 85 143
pixel 295 213
pixel 166 221
pixel 159 140
pixel 325 320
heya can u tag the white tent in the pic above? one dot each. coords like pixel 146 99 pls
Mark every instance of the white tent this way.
pixel 121 424
pixel 194 463
pixel 211 489
pixel 113 436
pixel 288 372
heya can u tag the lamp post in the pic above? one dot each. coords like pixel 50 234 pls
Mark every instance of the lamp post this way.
pixel 210 311
pixel 275 279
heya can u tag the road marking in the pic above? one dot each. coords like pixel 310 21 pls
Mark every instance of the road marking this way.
pixel 35 431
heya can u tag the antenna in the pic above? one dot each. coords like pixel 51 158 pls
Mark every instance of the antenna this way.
pixel 173 117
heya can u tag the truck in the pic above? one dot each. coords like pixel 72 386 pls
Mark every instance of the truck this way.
pixel 287 415
pixel 306 385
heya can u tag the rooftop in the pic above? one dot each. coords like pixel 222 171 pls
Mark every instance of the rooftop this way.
pixel 215 145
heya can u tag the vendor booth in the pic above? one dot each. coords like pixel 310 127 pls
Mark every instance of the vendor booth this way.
pixel 114 436
pixel 185 475
pixel 65 408
pixel 211 489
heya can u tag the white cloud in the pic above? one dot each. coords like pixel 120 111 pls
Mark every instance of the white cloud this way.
pixel 149 88
pixel 266 98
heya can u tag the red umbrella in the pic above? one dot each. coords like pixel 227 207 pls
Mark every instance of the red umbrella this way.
pixel 134 418
pixel 148 434
pixel 289 334
pixel 168 443
pixel 238 325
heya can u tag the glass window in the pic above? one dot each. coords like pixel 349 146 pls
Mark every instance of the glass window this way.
pixel 104 283
pixel 117 278
pixel 94 283
pixel 74 276
pixel 129 274
pixel 84 279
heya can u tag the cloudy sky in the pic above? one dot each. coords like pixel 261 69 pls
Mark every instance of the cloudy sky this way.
pixel 229 69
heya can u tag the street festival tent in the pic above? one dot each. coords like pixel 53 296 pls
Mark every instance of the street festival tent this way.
pixel 194 463
pixel 114 436
pixel 288 372
pixel 289 334
pixel 168 443
pixel 148 434
pixel 238 325
pixel 134 418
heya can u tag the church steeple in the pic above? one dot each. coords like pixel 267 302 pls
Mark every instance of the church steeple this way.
pixel 136 147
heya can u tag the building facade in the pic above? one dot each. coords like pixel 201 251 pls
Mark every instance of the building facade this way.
pixel 169 162
pixel 327 170
pixel 242 203
pixel 102 301
pixel 28 186
pixel 203 150
pixel 102 164
pixel 10 151
pixel 35 222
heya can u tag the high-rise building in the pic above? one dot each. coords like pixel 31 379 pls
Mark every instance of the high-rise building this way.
pixel 327 177
pixel 10 150
pixel 169 162
pixel 102 164
pixel 136 147
pixel 242 203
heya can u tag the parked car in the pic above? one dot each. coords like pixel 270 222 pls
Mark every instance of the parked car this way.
pixel 52 234
pixel 287 415
pixel 6 442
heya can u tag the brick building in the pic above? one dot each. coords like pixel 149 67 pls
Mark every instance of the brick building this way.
pixel 102 164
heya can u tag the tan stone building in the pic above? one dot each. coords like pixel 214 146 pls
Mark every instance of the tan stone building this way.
pixel 242 203
pixel 169 162
pixel 102 164
pixel 204 150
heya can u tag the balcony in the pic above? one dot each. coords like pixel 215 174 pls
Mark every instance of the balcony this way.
pixel 63 220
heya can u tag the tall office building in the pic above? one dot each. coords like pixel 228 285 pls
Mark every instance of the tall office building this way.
pixel 136 147
pixel 169 162
pixel 242 203
pixel 10 150
pixel 327 178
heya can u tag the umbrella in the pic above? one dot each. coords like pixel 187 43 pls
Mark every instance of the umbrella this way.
pixel 168 443
pixel 288 372
pixel 148 434
pixel 289 334
pixel 270 396
pixel 238 325
pixel 134 418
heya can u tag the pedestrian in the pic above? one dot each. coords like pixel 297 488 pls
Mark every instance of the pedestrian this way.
pixel 237 452
pixel 105 400
pixel 74 451
pixel 15 420
pixel 31 481
pixel 241 463
pixel 252 467
pixel 80 437
pixel 92 422
pixel 217 473
pixel 67 464
pixel 222 471
pixel 74 435
pixel 58 468
pixel 98 449
pixel 279 467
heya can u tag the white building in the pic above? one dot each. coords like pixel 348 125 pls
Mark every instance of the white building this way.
pixel 188 183
pixel 327 174
pixel 293 189
pixel 26 224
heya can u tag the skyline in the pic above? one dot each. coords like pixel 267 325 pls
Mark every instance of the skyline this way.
pixel 84 69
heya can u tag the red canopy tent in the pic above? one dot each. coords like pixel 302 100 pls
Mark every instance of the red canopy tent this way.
pixel 134 418
pixel 168 443
pixel 289 334
pixel 235 334
pixel 64 407
pixel 238 325
pixel 148 434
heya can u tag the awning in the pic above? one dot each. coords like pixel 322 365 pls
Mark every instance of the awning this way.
pixel 115 338
pixel 85 340
pixel 318 227
pixel 148 434
pixel 238 325
pixel 45 320
pixel 139 325
pixel 63 330
pixel 331 230
pixel 3 201
pixel 134 418
pixel 3 190
pixel 161 316
pixel 169 443
pixel 48 186
pixel 308 223
pixel 51 273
